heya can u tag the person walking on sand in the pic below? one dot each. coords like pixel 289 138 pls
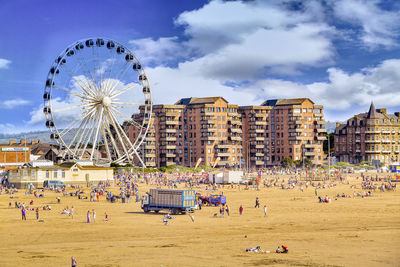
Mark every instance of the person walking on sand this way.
pixel 88 216
pixel 265 210
pixel 23 212
pixel 94 216
pixel 71 213
pixel 240 209
pixel 73 262
pixel 227 210
pixel 37 213
pixel 257 203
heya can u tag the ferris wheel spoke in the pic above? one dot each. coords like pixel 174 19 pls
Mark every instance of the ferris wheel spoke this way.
pixel 129 120
pixel 123 90
pixel 85 87
pixel 106 145
pixel 84 66
pixel 118 129
pixel 83 123
pixel 117 79
pixel 132 147
pixel 97 132
pixel 111 67
pixel 110 134
pixel 71 107
pixel 126 104
pixel 73 93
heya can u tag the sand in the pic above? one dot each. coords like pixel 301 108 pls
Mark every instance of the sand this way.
pixel 347 232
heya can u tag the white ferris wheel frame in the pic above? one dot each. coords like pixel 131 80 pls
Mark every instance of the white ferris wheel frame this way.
pixel 99 104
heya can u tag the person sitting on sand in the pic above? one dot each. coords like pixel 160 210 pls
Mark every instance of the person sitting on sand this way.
pixel 106 217
pixel 278 250
pixel 284 249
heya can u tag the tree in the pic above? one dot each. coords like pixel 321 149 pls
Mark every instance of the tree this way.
pixel 307 163
pixel 287 163
pixel 331 137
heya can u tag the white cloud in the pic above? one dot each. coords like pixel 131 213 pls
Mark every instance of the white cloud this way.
pixel 158 52
pixel 379 27
pixel 249 39
pixel 4 63
pixel 343 90
pixel 8 128
pixel 13 103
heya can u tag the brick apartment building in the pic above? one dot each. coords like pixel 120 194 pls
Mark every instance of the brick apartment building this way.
pixel 208 128
pixel 373 136
pixel 212 129
pixel 282 128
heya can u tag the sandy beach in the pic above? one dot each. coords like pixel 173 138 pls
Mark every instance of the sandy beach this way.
pixel 347 232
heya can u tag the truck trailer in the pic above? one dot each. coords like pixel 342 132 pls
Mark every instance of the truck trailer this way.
pixel 176 201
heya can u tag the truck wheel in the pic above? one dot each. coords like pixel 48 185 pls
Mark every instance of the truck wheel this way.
pixel 146 210
pixel 156 211
pixel 174 211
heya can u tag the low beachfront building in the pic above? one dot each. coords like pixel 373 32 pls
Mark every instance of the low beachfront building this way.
pixel 68 173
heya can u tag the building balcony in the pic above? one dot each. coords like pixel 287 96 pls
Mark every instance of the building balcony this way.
pixel 211 129
pixel 206 113
pixel 320 122
pixel 210 137
pixel 296 137
pixel 224 162
pixel 150 155
pixel 358 140
pixel 236 130
pixel 259 162
pixel 372 151
pixel 150 164
pixel 310 145
pixel 223 146
pixel 259 146
pixel 261 123
pixel 149 147
pixel 259 138
pixel 236 122
pixel 386 151
pixel 397 151
pixel 357 132
pixel 168 147
pixel 386 141
pixel 372 141
pixel 310 153
pixel 174 122
pixel 318 114
pixel 258 154
pixel 296 130
pixel 386 132
pixel 170 138
pixel 233 114
pixel 223 154
pixel 321 138
pixel 208 121
pixel 358 150
pixel 259 130
pixel 170 114
pixel 235 138
pixel 372 132
pixel 260 115
pixel 170 163
pixel 320 130
pixel 150 138
pixel 170 130
pixel 170 155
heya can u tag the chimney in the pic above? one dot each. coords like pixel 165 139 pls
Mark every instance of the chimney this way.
pixel 337 124
pixel 12 141
pixel 397 114
pixel 23 142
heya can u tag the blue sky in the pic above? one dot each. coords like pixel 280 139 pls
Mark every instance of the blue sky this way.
pixel 342 54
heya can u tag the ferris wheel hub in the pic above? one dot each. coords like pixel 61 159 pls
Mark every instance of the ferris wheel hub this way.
pixel 106 101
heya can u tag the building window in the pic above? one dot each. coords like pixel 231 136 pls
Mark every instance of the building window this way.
pixel 47 174
pixel 63 174
pixel 55 174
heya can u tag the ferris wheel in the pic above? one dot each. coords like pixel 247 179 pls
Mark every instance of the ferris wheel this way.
pixel 91 91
